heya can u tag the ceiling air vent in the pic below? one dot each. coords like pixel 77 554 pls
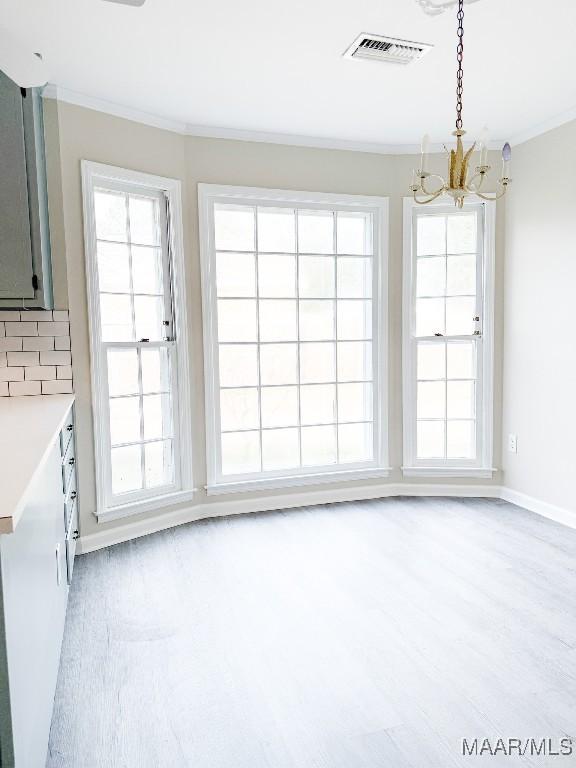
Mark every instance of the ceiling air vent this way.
pixel 378 48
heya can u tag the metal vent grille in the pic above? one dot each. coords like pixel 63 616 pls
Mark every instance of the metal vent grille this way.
pixel 388 49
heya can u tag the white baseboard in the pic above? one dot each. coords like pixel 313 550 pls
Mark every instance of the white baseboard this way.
pixel 221 508
pixel 550 511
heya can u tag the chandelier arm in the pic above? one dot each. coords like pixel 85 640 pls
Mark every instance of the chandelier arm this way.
pixel 430 199
pixel 433 191
pixel 496 195
pixel 474 188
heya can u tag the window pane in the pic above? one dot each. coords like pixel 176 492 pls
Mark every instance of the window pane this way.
pixel 354 233
pixel 318 446
pixel 286 353
pixel 235 274
pixel 239 409
pixel 157 416
pixel 122 372
pixel 238 365
pixel 355 443
pixel 354 402
pixel 460 316
pixel 462 233
pixel 240 453
pixel 237 320
pixel 430 317
pixel 113 267
pixel 110 213
pixel 144 227
pixel 431 236
pixel 316 320
pixel 460 439
pixel 316 277
pixel 354 360
pixel 155 370
pixel 317 363
pixel 461 275
pixel 431 278
pixel 318 404
pixel 461 364
pixel 124 420
pixel 234 228
pixel 431 361
pixel 149 316
pixel 315 232
pixel 430 439
pixel 354 320
pixel 147 270
pixel 280 449
pixel 431 400
pixel 116 317
pixel 354 278
pixel 159 464
pixel 279 406
pixel 276 230
pixel 460 399
pixel 278 320
pixel 126 469
pixel 279 363
pixel 277 276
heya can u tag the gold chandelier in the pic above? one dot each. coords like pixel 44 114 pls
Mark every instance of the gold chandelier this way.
pixel 460 182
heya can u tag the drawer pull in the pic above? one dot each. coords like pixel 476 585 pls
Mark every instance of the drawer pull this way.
pixel 73 495
pixel 70 427
pixel 72 461
pixel 76 535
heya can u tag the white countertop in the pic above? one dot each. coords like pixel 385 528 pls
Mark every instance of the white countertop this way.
pixel 29 427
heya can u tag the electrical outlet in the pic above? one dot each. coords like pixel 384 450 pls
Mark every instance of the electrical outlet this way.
pixel 513 443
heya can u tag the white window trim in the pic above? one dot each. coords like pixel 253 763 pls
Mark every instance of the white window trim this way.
pixel 92 173
pixel 482 466
pixel 208 195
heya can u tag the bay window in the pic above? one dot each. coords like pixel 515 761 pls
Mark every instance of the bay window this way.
pixel 295 336
pixel 139 372
pixel 448 339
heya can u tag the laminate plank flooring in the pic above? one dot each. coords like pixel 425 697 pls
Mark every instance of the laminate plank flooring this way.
pixel 376 634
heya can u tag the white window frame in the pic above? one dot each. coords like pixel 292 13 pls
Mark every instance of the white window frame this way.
pixel 481 466
pixel 208 196
pixel 146 500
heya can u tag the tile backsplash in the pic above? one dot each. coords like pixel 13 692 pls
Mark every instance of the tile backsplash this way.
pixel 35 356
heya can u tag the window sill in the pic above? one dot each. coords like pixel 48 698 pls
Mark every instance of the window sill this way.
pixel 296 481
pixel 477 472
pixel 145 505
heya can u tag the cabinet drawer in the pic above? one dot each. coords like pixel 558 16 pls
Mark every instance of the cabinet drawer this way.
pixel 71 539
pixel 69 464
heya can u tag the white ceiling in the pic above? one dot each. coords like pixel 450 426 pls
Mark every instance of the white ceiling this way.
pixel 277 67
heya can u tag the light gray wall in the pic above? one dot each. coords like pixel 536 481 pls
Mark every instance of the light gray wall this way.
pixel 91 135
pixel 539 349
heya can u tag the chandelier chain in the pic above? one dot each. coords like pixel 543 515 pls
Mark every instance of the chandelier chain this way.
pixel 460 59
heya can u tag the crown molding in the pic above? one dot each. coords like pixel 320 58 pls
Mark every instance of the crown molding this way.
pixel 67 96
pixel 547 125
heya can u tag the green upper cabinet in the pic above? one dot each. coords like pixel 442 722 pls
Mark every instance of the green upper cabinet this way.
pixel 25 274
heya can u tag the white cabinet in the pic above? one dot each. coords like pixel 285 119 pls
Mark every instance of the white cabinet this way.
pixel 35 563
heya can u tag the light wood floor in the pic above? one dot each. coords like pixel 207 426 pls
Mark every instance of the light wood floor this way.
pixel 367 635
